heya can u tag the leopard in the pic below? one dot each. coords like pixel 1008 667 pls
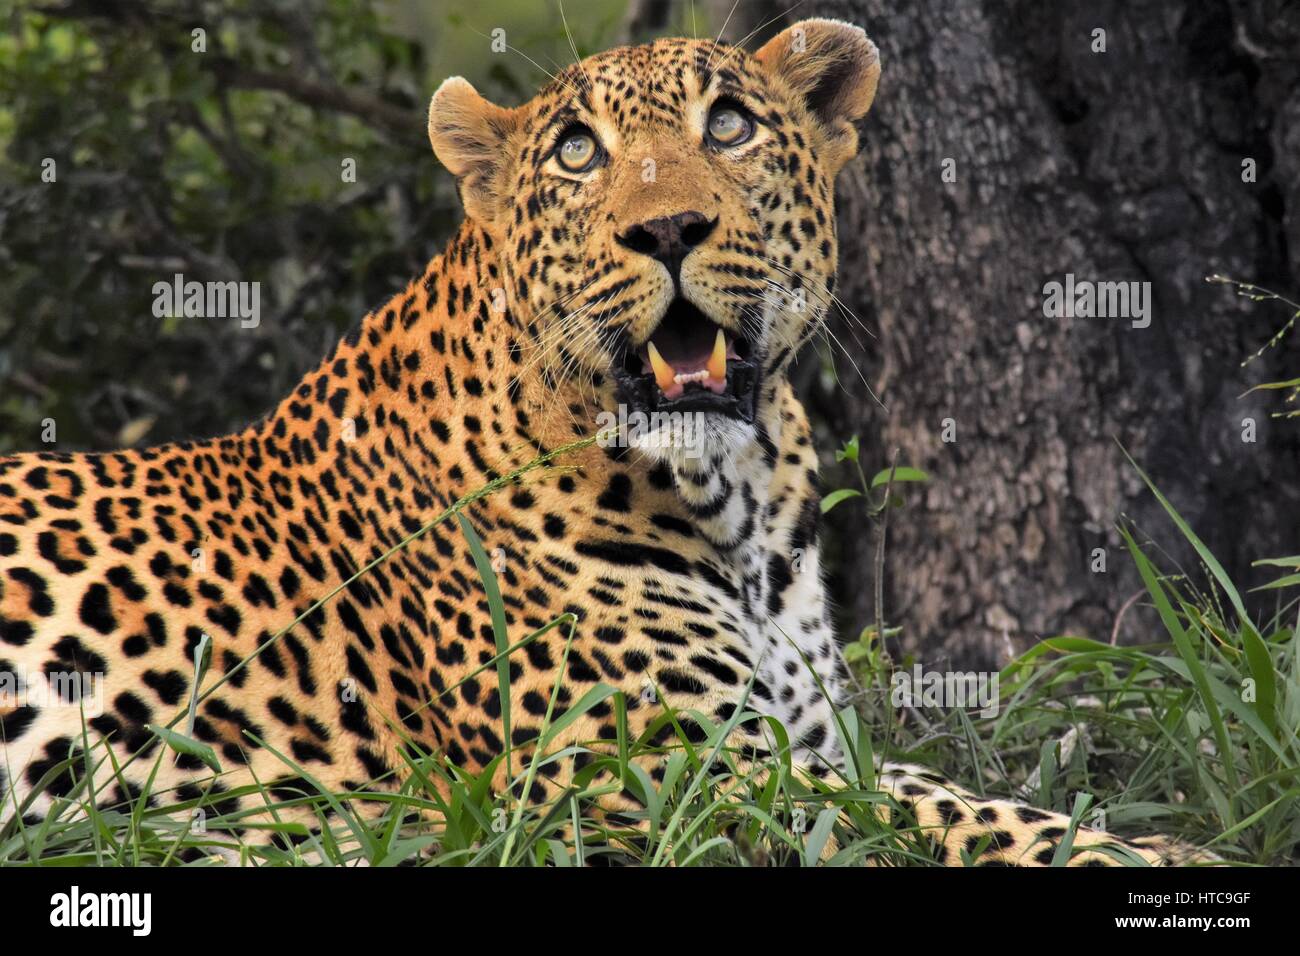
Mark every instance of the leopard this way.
pixel 647 246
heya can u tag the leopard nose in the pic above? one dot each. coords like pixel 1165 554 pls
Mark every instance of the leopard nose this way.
pixel 668 238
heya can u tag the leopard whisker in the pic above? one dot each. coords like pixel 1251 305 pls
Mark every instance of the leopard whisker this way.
pixel 740 44
pixel 815 287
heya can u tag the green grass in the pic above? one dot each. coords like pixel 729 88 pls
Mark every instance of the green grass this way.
pixel 1192 734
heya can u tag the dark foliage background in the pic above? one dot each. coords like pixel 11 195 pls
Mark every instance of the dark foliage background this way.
pixel 223 164
pixel 226 164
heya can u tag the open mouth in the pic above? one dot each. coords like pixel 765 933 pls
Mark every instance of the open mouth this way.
pixel 690 364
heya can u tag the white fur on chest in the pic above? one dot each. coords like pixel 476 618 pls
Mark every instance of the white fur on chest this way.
pixel 788 632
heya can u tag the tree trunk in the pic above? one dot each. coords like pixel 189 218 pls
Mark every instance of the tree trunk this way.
pixel 1122 165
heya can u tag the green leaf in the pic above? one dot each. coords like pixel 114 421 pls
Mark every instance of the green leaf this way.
pixel 1293 383
pixel 854 652
pixel 497 609
pixel 1046 772
pixel 1064 848
pixel 186 745
pixel 1261 668
pixel 1289 581
pixel 821 831
pixel 1186 650
pixel 849 452
pixel 900 474
pixel 202 659
pixel 1261 664
pixel 590 699
pixel 1065 644
pixel 1231 700
pixel 1206 556
pixel 838 495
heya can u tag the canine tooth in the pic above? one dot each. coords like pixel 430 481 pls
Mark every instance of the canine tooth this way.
pixel 717 366
pixel 664 374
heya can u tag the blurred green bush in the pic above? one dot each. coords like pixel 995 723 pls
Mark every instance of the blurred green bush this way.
pixel 223 154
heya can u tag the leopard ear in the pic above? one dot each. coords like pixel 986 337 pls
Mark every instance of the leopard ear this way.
pixel 470 137
pixel 832 66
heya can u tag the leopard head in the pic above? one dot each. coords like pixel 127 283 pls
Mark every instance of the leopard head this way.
pixel 664 214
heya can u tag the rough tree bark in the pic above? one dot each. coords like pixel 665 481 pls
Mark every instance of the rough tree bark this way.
pixel 1122 165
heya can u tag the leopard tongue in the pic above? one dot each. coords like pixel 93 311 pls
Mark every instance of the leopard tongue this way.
pixel 672 381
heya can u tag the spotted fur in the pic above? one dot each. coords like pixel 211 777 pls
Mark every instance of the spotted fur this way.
pixel 691 576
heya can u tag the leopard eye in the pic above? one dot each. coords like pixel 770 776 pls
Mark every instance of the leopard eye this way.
pixel 729 126
pixel 578 151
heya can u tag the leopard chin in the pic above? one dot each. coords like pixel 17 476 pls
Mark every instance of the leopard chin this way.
pixel 687 447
